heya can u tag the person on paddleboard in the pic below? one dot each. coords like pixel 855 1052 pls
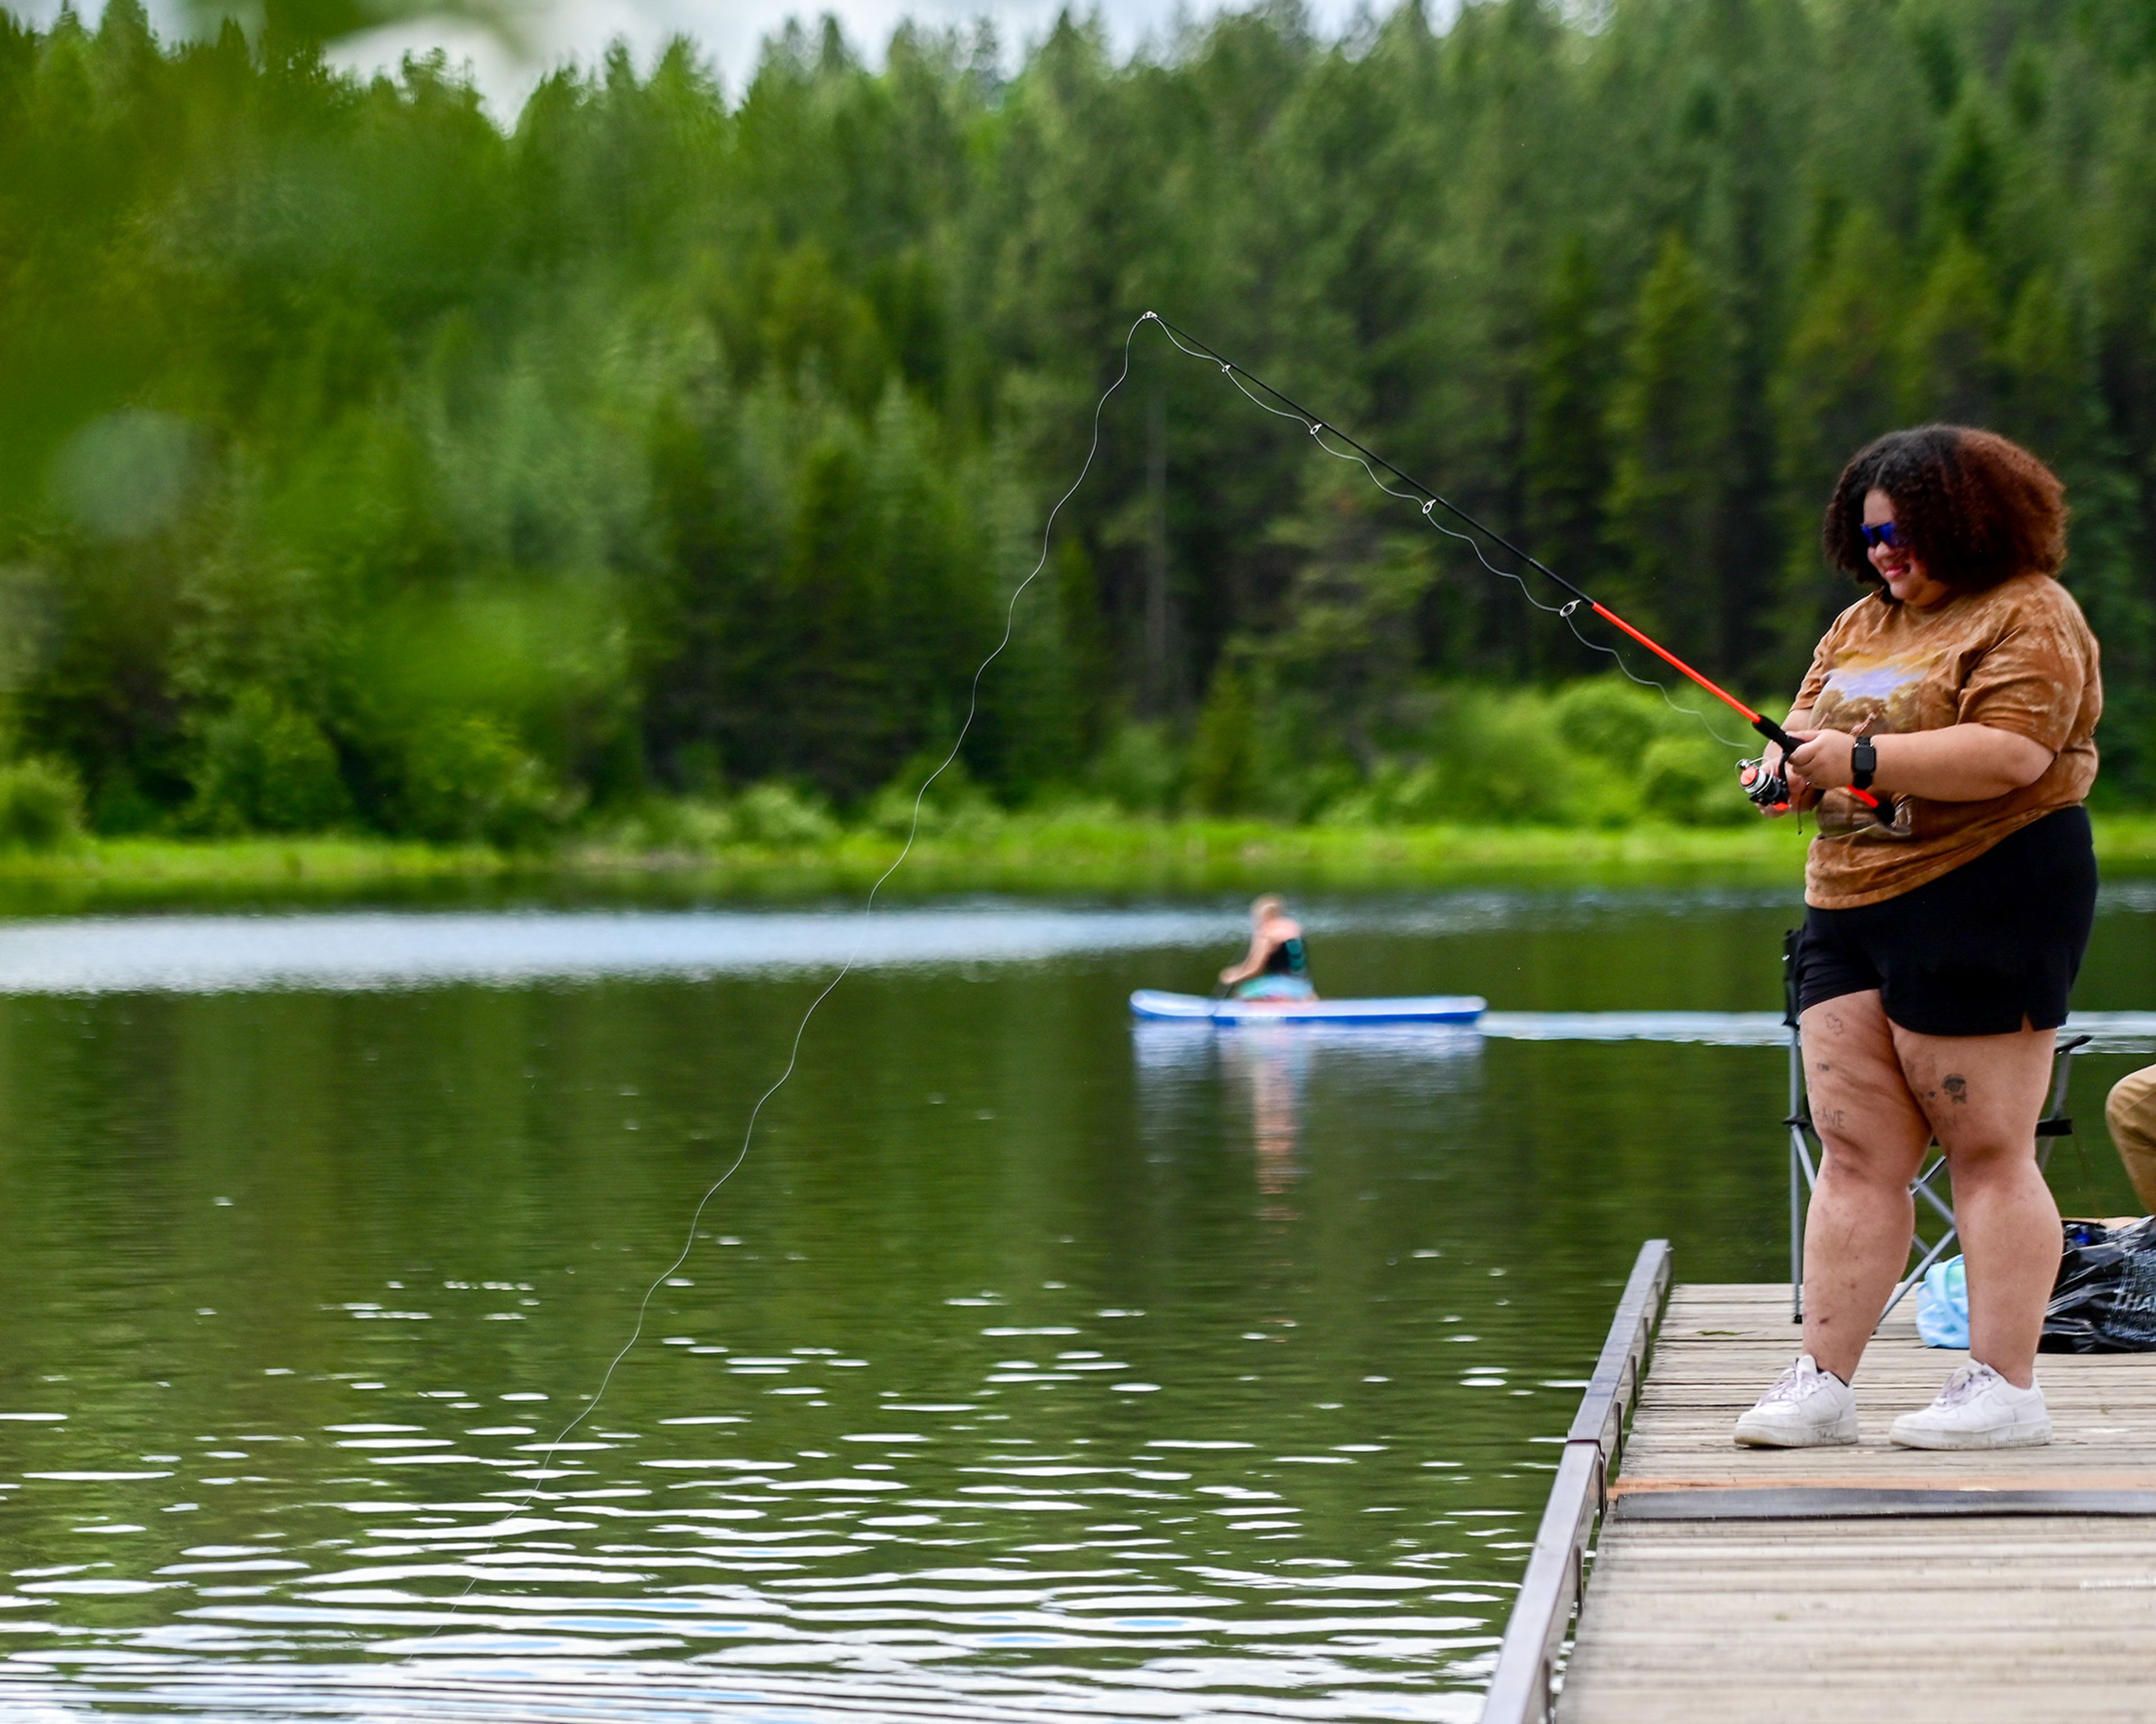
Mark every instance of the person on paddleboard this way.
pixel 1944 928
pixel 1276 967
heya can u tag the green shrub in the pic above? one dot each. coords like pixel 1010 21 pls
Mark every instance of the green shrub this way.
pixel 677 823
pixel 264 766
pixel 40 805
pixel 1606 794
pixel 1307 791
pixel 1610 719
pixel 1504 760
pixel 467 778
pixel 1141 769
pixel 1416 796
pixel 953 805
pixel 779 815
pixel 1692 781
pixel 1398 793
pixel 119 806
pixel 1223 752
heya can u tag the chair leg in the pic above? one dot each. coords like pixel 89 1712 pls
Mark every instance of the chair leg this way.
pixel 1930 1257
pixel 2057 1123
pixel 1796 1239
pixel 1800 1172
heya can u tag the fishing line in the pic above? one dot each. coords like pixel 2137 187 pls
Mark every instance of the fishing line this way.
pixel 1428 502
pixel 868 909
pixel 1317 428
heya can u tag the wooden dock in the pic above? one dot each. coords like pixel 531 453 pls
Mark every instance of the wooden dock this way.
pixel 1852 1584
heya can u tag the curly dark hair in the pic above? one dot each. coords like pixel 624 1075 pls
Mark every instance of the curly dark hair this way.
pixel 1977 507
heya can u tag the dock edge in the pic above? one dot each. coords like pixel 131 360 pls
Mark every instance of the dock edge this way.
pixel 1523 1687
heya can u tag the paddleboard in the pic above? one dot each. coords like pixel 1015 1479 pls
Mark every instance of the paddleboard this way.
pixel 1459 1008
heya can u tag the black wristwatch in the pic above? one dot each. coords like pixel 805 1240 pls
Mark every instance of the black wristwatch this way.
pixel 1863 762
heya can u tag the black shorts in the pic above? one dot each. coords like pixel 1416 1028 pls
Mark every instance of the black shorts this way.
pixel 1981 951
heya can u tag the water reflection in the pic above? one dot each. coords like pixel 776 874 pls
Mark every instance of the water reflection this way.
pixel 1268 1072
pixel 1262 1074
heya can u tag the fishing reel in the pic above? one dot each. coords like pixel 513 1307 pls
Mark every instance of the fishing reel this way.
pixel 1769 789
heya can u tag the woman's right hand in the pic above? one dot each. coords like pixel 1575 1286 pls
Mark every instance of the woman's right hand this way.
pixel 1802 794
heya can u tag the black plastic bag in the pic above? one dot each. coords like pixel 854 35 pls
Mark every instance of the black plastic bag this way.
pixel 2104 1301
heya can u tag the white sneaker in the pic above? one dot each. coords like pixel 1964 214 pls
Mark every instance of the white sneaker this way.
pixel 1977 1409
pixel 1806 1409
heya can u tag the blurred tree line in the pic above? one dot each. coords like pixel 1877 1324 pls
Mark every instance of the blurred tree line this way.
pixel 365 464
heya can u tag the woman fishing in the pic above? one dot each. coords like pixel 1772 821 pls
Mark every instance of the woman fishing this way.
pixel 1944 928
pixel 1276 967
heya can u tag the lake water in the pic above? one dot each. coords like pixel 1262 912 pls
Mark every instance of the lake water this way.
pixel 1032 1366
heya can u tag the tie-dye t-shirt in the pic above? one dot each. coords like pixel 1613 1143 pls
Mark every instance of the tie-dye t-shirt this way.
pixel 2019 657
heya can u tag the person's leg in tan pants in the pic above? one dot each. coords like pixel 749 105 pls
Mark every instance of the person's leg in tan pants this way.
pixel 2131 1113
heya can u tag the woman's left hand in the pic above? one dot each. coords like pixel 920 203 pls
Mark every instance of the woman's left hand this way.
pixel 1823 758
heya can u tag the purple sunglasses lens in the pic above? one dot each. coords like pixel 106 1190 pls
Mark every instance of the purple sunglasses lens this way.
pixel 1882 534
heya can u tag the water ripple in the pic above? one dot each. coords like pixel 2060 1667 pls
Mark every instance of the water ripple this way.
pixel 597 1601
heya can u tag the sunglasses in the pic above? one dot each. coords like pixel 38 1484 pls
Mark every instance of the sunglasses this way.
pixel 1884 533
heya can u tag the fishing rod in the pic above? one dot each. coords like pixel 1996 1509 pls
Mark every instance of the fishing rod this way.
pixel 1758 783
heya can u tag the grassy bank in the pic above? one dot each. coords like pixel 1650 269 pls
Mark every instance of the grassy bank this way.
pixel 1019 855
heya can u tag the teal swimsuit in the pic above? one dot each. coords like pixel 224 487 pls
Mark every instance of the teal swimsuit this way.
pixel 1286 977
pixel 1288 959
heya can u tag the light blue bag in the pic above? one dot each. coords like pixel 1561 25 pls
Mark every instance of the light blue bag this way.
pixel 1943 1306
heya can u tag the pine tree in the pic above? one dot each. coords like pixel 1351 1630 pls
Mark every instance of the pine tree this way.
pixel 1833 393
pixel 1949 368
pixel 1669 422
pixel 1567 451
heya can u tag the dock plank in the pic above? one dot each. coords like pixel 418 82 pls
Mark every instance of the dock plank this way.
pixel 1898 1620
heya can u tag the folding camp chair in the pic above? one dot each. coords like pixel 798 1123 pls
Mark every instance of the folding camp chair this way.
pixel 1806 1152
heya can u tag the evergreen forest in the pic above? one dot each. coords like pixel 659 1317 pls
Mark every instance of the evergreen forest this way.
pixel 370 462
